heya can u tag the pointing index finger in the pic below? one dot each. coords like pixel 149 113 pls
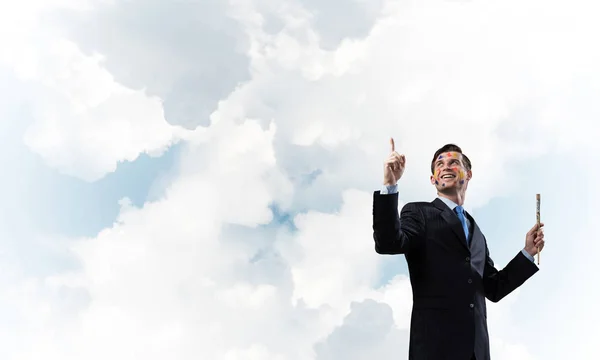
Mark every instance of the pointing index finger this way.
pixel 392 144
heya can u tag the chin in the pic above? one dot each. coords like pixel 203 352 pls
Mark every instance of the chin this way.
pixel 448 187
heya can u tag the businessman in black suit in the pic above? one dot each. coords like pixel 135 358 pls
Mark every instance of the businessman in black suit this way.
pixel 451 272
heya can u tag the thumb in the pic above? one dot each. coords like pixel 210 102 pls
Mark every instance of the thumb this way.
pixel 535 228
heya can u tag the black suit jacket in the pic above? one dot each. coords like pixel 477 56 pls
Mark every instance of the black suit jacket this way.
pixel 450 280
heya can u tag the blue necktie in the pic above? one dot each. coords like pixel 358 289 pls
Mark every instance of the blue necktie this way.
pixel 461 216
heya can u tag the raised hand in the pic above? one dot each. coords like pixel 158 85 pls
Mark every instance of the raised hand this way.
pixel 394 166
pixel 534 239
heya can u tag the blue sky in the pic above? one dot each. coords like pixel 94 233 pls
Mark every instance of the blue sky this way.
pixel 40 200
pixel 45 201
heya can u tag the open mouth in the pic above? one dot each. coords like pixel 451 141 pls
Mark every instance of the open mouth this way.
pixel 448 176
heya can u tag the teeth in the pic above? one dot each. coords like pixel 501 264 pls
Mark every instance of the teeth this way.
pixel 447 176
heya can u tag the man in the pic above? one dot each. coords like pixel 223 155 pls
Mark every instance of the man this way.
pixel 450 269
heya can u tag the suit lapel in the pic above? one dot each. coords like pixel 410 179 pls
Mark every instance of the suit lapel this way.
pixel 476 233
pixel 450 217
pixel 478 247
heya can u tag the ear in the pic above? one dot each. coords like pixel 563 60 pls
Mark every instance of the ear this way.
pixel 432 179
pixel 469 175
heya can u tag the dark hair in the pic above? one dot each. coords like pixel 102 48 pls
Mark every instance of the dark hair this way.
pixel 449 148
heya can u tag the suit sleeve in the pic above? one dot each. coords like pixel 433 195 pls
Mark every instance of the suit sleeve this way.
pixel 499 283
pixel 395 234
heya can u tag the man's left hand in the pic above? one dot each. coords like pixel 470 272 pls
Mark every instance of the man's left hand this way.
pixel 534 239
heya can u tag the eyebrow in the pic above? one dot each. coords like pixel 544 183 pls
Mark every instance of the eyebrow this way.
pixel 441 161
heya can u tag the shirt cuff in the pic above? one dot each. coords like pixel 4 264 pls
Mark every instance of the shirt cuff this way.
pixel 527 255
pixel 389 189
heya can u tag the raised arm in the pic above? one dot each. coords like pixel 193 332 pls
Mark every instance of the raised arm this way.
pixel 395 234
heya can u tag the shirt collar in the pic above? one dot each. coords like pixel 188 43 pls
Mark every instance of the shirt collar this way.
pixel 451 204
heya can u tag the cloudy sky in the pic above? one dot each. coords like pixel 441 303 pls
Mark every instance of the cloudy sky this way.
pixel 193 179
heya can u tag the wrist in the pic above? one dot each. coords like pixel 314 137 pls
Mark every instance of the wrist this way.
pixel 531 251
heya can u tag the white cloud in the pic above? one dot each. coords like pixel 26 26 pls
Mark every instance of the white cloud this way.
pixel 254 352
pixel 190 54
pixel 331 258
pixel 196 274
pixel 467 85
pixel 367 332
pixel 84 122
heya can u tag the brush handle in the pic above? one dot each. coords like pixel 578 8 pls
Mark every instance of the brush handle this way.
pixel 537 215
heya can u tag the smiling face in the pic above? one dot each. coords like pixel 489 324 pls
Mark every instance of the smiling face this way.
pixel 449 172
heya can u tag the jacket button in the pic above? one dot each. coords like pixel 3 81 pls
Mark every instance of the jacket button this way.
pixel 469 281
pixel 471 306
pixel 468 259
